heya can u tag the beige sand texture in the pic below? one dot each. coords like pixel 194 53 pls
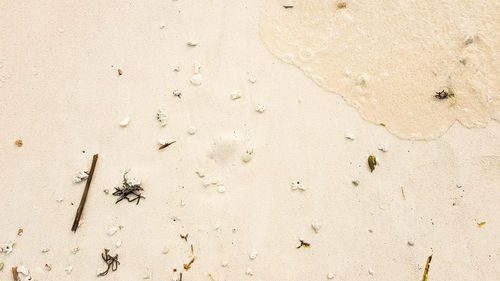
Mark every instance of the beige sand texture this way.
pixel 61 94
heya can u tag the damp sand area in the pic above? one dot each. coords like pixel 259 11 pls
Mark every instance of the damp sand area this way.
pixel 389 59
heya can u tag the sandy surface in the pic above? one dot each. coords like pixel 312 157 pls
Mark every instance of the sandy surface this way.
pixel 61 94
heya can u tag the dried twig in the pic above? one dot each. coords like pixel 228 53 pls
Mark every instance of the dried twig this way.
pixel 304 244
pixel 188 266
pixel 14 273
pixel 84 195
pixel 403 192
pixel 166 145
pixel 185 236
pixel 426 271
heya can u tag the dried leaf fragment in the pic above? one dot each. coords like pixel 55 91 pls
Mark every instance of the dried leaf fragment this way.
pixel 481 223
pixel 19 142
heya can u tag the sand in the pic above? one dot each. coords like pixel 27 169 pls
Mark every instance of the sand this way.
pixel 389 59
pixel 60 93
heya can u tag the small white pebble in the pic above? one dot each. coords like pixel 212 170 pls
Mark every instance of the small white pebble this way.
pixel 224 263
pixel 350 137
pixel 112 231
pixel 249 271
pixel 45 250
pixel 149 274
pixel 260 108
pixel 253 254
pixel 247 155
pixel 192 43
pixel 371 271
pixel 59 200
pixel 75 250
pixel 216 226
pixel 330 275
pixel 236 94
pixel 161 116
pixel 125 122
pixel 177 68
pixel 118 244
pixel 165 251
pixel 316 226
pixel 23 270
pixel 297 185
pixel 221 189
pixel 411 242
pixel 382 148
pixel 192 130
pixel 69 269
pixel 196 79
pixel 252 79
pixel 196 67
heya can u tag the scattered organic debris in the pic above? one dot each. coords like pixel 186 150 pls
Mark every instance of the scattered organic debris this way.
pixel 287 6
pixel 481 223
pixel 111 262
pixel 19 142
pixel 444 94
pixel 372 161
pixel 382 124
pixel 304 244
pixel 120 72
pixel 165 145
pixel 81 176
pixel 130 187
pixel 426 271
pixel 188 266
pixel 79 211
pixel 185 236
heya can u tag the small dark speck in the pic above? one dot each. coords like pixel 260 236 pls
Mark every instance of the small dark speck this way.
pixel 287 6
pixel 83 151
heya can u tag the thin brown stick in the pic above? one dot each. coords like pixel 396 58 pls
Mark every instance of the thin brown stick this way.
pixel 166 145
pixel 14 273
pixel 426 271
pixel 403 192
pixel 76 222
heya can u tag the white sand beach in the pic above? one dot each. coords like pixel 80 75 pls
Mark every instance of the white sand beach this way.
pixel 247 126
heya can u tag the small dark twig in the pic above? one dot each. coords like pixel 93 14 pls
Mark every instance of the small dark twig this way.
pixel 426 271
pixel 84 195
pixel 188 266
pixel 111 262
pixel 287 6
pixel 185 236
pixel 166 145
pixel 303 243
